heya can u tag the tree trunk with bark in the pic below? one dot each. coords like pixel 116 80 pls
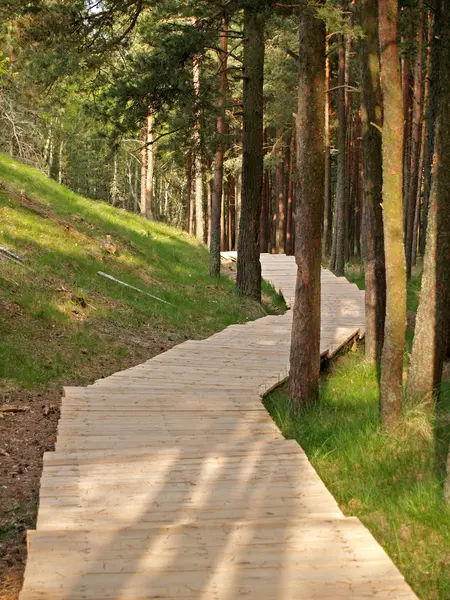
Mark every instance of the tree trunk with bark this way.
pixel 416 135
pixel 198 167
pixel 310 125
pixel 430 339
pixel 147 195
pixel 237 210
pixel 340 220
pixel 231 189
pixel 371 116
pixel 391 383
pixel 407 116
pixel 143 207
pixel 326 232
pixel 280 196
pixel 418 197
pixel 61 161
pixel 290 198
pixel 214 267
pixel 433 80
pixel 190 203
pixel 248 278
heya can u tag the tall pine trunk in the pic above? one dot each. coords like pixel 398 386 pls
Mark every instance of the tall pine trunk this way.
pixel 198 167
pixel 416 136
pixel 214 266
pixel 371 116
pixel 433 80
pixel 310 125
pixel 150 167
pixel 248 277
pixel 290 198
pixel 415 236
pixel 281 198
pixel 144 172
pixel 391 383
pixel 326 231
pixel 430 339
pixel 340 220
pixel 190 203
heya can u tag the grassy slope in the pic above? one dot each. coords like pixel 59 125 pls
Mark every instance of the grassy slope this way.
pixel 57 315
pixel 392 482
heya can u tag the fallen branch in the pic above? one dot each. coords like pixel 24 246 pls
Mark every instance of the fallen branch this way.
pixel 9 408
pixel 5 253
pixel 132 287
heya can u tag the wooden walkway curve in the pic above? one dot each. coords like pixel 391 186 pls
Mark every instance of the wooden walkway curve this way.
pixel 169 480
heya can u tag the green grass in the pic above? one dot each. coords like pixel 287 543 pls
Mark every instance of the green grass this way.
pixel 58 316
pixel 392 481
pixel 355 274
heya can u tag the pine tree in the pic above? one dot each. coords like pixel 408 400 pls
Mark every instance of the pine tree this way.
pixel 430 340
pixel 310 127
pixel 248 280
pixel 391 382
pixel 371 115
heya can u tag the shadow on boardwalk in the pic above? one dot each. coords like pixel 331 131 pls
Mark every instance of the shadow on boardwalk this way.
pixel 170 480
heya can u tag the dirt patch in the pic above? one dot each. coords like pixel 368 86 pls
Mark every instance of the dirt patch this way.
pixel 24 437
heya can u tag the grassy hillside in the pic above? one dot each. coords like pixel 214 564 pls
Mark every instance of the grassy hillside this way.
pixel 59 316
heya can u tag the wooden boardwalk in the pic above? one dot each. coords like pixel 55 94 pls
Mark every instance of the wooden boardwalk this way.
pixel 169 480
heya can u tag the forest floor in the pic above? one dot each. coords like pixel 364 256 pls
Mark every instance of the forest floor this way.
pixel 63 324
pixel 391 481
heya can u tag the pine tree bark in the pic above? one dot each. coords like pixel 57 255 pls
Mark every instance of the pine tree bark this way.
pixel 415 236
pixel 190 203
pixel 214 251
pixel 430 339
pixel 198 167
pixel 248 278
pixel 237 211
pixel 150 167
pixel 281 198
pixel 143 207
pixel 341 201
pixel 371 116
pixel 264 228
pixel 326 232
pixel 416 135
pixel 433 80
pixel 60 161
pixel 407 115
pixel 231 187
pixel 391 385
pixel 310 125
pixel 290 198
